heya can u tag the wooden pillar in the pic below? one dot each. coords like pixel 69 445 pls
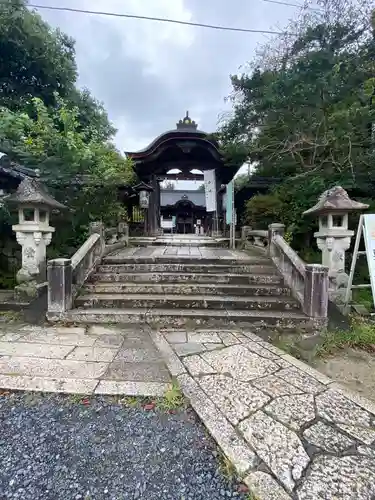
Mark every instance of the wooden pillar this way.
pixel 153 211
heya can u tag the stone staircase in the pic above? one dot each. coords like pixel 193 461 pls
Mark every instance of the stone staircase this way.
pixel 186 290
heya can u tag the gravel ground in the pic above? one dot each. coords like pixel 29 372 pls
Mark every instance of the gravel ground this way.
pixel 60 447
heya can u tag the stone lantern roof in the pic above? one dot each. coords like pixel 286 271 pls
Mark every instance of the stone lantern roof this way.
pixel 335 200
pixel 31 192
pixel 142 186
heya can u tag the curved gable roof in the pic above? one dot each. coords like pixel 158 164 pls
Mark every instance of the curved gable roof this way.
pixel 186 129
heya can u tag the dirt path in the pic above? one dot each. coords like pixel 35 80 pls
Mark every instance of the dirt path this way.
pixel 352 367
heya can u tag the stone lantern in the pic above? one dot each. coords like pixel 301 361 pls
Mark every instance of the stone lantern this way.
pixel 333 237
pixel 33 231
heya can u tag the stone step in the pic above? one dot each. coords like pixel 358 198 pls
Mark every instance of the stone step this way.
pixel 187 288
pixel 187 268
pixel 176 242
pixel 148 301
pixel 185 259
pixel 190 318
pixel 185 277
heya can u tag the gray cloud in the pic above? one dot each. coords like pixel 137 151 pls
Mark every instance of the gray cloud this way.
pixel 148 74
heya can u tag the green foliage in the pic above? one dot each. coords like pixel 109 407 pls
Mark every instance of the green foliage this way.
pixel 35 60
pixel 96 166
pixel 173 398
pixel 304 113
pixel 262 210
pixel 360 335
pixel 47 123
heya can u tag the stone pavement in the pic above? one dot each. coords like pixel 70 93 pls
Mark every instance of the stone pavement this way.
pixel 84 360
pixel 290 431
pixel 188 252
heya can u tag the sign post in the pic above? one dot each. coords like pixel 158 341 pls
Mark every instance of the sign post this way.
pixel 211 196
pixel 366 227
pixel 230 215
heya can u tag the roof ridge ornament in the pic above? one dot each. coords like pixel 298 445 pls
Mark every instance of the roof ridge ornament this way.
pixel 186 123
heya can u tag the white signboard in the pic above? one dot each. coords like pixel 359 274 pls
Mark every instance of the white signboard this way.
pixel 210 190
pixel 167 223
pixel 369 237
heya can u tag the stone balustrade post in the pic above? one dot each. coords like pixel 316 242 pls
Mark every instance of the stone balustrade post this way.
pixel 98 228
pixel 315 303
pixel 273 230
pixel 244 232
pixel 60 281
pixel 123 231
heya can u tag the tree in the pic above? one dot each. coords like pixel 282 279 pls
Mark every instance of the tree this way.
pixel 305 114
pixel 92 114
pixel 35 60
pixel 47 123
pixel 82 172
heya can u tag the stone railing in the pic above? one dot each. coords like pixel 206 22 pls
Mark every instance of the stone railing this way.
pixel 116 237
pixel 85 259
pixel 254 238
pixel 66 276
pixel 307 282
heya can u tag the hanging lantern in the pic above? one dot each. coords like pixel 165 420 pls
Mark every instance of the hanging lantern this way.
pixel 144 191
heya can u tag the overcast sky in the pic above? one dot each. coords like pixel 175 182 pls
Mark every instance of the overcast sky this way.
pixel 148 73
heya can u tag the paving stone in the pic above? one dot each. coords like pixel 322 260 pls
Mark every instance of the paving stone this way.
pixel 213 347
pixel 204 337
pixel 239 362
pixel 327 438
pixel 93 354
pixel 176 337
pixel 323 379
pixel 144 372
pixel 59 368
pixel 11 336
pixel 293 411
pixel 74 339
pixel 366 450
pixel 44 384
pixel 34 350
pixel 235 399
pixel 355 397
pixel 367 436
pixel 228 338
pixel 132 388
pixel 134 332
pixel 232 445
pixel 265 487
pixel 344 478
pixel 261 350
pixel 337 408
pixel 188 348
pixel 135 355
pixel 112 341
pixel 249 335
pixel 271 347
pixel 63 330
pixel 170 357
pixel 301 380
pixel 279 447
pixel 275 386
pixel 197 366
